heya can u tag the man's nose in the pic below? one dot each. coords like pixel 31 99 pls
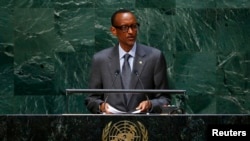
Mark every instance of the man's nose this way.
pixel 130 30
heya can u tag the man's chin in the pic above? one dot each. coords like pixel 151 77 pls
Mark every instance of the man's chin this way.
pixel 131 43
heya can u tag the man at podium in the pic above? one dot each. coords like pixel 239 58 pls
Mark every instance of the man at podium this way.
pixel 127 65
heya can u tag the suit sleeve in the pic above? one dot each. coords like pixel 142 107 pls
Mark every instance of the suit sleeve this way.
pixel 160 81
pixel 92 101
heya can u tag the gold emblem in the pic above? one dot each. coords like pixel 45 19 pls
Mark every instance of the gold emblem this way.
pixel 125 131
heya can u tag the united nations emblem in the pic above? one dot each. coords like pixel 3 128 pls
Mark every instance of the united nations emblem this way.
pixel 125 131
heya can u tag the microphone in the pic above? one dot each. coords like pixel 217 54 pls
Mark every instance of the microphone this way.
pixel 138 76
pixel 117 72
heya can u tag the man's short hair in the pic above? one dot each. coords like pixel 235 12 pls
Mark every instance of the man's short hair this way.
pixel 118 12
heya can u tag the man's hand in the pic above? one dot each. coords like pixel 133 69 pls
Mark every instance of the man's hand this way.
pixel 144 106
pixel 104 108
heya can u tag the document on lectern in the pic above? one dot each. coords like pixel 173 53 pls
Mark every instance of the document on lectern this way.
pixel 116 111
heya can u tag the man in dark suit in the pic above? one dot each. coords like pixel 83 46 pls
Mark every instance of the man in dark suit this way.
pixel 147 67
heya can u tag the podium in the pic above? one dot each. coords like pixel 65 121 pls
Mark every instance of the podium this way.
pixel 168 109
pixel 93 127
pixel 139 127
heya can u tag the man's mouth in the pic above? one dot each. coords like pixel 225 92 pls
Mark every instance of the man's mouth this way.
pixel 131 38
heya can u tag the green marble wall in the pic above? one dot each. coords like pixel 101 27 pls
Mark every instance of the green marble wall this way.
pixel 46 46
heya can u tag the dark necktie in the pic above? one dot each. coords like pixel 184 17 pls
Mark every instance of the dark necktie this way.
pixel 126 72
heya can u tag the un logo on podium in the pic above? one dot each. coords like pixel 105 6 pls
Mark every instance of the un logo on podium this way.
pixel 125 131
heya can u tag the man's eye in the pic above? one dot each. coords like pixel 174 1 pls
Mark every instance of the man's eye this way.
pixel 124 27
pixel 134 26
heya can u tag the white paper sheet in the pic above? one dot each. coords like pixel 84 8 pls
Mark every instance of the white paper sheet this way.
pixel 116 111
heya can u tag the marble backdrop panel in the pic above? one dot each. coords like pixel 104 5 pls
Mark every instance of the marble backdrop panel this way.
pixel 6 3
pixel 196 3
pixel 233 4
pixel 114 3
pixel 72 71
pixel 32 3
pixel 75 27
pixel 157 28
pixel 6 61
pixel 233 51
pixel 6 81
pixel 212 3
pixel 69 4
pixel 34 68
pixel 195 72
pixel 6 27
pixel 47 46
pixel 233 84
pixel 229 22
pixel 155 3
pixel 227 104
pixel 195 30
pixel 103 36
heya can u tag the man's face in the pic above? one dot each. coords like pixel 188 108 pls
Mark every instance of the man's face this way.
pixel 126 38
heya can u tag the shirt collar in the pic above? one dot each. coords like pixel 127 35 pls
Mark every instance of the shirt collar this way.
pixel 131 52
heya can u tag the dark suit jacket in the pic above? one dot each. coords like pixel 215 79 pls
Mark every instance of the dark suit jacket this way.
pixel 148 62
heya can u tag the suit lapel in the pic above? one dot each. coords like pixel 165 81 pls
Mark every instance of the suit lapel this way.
pixel 114 66
pixel 138 65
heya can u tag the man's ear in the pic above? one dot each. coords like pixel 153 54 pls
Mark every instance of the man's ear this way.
pixel 113 30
